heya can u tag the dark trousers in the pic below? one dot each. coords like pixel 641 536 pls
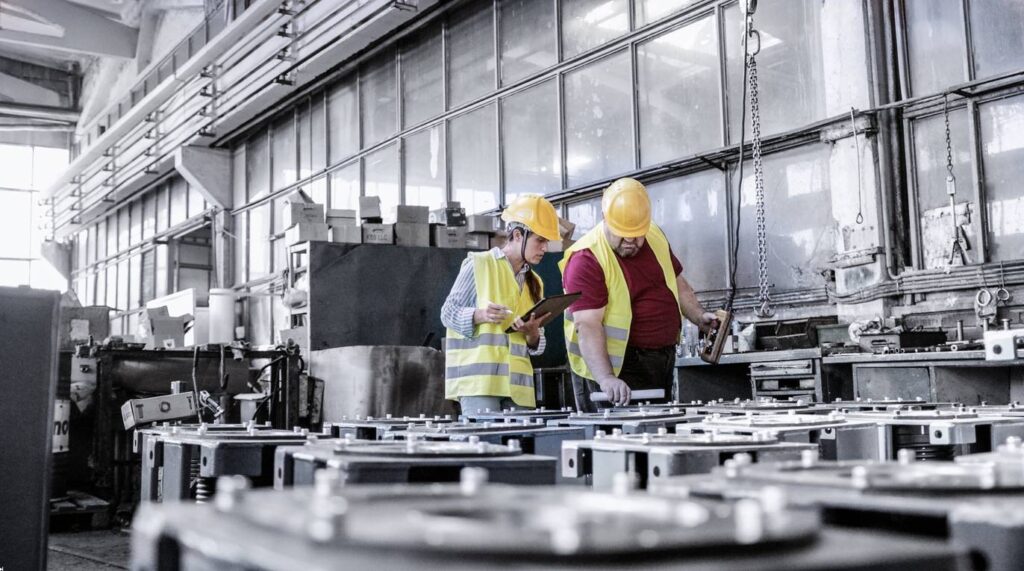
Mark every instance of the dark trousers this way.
pixel 641 369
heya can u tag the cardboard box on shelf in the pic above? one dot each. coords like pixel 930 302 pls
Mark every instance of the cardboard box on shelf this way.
pixel 408 234
pixel 476 241
pixel 306 232
pixel 378 233
pixel 482 224
pixel 447 237
pixel 412 214
pixel 346 234
pixel 450 214
pixel 165 331
pixel 369 207
pixel 338 214
pixel 300 208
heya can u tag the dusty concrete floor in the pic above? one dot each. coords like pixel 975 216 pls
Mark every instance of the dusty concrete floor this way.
pixel 100 550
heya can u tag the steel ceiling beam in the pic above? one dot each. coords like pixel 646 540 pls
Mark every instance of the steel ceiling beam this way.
pixel 86 31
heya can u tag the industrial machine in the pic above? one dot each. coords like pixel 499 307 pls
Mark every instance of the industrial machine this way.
pixel 474 525
pixel 974 504
pixel 837 437
pixel 410 461
pixel 184 462
pixel 939 434
pixel 370 428
pixel 628 422
pixel 649 457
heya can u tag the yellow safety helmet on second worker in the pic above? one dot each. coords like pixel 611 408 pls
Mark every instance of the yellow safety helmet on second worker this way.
pixel 536 213
pixel 626 208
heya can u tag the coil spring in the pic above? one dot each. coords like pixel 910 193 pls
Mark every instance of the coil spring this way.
pixel 205 488
pixel 913 438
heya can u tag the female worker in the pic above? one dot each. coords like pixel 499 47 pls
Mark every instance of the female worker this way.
pixel 485 366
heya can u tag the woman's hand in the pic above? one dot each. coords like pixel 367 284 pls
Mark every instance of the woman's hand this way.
pixel 492 313
pixel 531 328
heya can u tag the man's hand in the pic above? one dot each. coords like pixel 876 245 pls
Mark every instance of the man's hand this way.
pixel 531 328
pixel 617 390
pixel 492 313
pixel 708 321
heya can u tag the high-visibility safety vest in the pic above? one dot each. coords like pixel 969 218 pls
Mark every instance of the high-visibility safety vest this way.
pixel 493 363
pixel 618 314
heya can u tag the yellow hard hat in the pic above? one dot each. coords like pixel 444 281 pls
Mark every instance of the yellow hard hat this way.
pixel 626 208
pixel 536 213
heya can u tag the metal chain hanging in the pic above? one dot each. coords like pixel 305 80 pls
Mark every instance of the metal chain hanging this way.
pixel 764 302
pixel 960 244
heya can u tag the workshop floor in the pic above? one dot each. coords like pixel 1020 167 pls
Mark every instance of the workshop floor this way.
pixel 100 550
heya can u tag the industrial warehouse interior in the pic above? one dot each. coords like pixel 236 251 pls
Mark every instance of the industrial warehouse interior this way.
pixel 460 285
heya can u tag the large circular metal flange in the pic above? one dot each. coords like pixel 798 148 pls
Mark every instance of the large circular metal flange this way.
pixel 776 421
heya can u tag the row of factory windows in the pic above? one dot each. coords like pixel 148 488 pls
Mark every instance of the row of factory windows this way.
pixel 569 127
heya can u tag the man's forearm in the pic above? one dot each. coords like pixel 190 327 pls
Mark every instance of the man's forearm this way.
pixel 692 309
pixel 595 351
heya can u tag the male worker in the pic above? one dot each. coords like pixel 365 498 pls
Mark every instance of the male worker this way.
pixel 622 332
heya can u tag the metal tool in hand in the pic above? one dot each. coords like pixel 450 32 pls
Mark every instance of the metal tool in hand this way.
pixel 645 394
pixel 961 245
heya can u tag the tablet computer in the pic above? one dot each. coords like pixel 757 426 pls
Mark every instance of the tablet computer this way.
pixel 554 305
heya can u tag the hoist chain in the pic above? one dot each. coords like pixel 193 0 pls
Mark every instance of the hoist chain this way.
pixel 764 305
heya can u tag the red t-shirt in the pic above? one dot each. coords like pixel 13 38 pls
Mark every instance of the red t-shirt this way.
pixel 656 320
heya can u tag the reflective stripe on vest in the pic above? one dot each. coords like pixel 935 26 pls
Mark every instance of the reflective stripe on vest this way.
pixel 618 313
pixel 493 363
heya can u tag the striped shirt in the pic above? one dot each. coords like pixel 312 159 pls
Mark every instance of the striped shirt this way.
pixel 457 312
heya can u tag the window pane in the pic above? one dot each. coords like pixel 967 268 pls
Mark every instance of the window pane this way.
pixel 318 190
pixel 343 116
pixel 475 160
pixel 935 44
pixel 122 285
pixel 791 70
pixel 101 287
pixel 278 248
pixel 530 141
pixel 382 179
pixel 1002 145
pixel 179 201
pixel 377 84
pixel 585 215
pixel 196 202
pixel 471 53
pixel 930 159
pixel 257 165
pixel 285 168
pixel 162 260
pixel 16 225
pixel 101 239
pixel 90 250
pixel 599 120
pixel 149 215
pixel 345 187
pixel 798 213
pixel 135 231
pixel 422 68
pixel 677 93
pixel 112 234
pixel 148 276
pixel 648 11
pixel 528 40
pixel 238 176
pixel 304 140
pixel 17 168
pixel 259 241
pixel 587 24
pixel 241 251
pixel 318 133
pixel 425 168
pixel 47 164
pixel 681 206
pixel 123 230
pixel 163 212
pixel 998 36
pixel 112 285
pixel 135 281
